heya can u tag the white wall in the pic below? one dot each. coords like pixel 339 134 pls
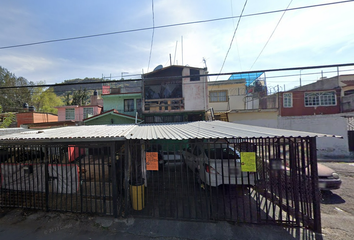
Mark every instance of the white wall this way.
pixel 195 92
pixel 327 147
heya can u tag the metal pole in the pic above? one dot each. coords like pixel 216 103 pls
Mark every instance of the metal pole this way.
pixel 114 180
pixel 316 196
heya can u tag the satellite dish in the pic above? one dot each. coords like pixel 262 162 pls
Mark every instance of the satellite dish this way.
pixel 158 67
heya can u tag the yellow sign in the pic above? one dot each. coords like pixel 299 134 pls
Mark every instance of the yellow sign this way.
pixel 152 161
pixel 248 162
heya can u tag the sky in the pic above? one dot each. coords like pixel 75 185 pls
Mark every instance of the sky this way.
pixel 305 37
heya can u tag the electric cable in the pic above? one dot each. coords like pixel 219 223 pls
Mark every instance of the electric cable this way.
pixel 173 25
pixel 271 35
pixel 233 36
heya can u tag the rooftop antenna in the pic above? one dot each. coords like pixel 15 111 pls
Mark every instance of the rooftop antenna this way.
pixel 182 48
pixel 204 61
pixel 174 59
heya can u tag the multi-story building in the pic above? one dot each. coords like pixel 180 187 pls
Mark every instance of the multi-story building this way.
pixel 175 94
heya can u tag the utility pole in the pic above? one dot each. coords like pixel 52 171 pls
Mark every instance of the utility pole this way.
pixel 123 73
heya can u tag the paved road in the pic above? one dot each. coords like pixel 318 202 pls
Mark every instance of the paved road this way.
pixel 30 225
pixel 337 208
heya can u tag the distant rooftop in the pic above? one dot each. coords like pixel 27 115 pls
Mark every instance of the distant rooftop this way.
pixel 249 77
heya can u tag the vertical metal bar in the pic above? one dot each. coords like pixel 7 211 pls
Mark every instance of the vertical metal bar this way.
pixel 316 195
pixel 46 180
pixel 103 181
pixel 81 182
pixel 294 179
pixel 33 192
pixel 114 181
pixel 127 163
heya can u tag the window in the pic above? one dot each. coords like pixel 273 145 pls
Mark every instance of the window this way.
pixel 320 99
pixel 287 100
pixel 88 112
pixel 218 96
pixel 129 105
pixel 194 72
pixel 70 114
pixel 138 104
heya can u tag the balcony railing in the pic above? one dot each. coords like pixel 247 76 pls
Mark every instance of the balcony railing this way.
pixel 164 105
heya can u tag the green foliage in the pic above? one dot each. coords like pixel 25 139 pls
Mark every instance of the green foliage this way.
pixel 80 97
pixel 46 100
pixel 6 119
pixel 13 99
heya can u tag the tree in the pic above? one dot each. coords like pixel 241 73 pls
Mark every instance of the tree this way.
pixel 13 99
pixel 46 100
pixel 67 101
pixel 6 119
pixel 80 97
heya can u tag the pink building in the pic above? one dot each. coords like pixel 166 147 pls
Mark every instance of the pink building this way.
pixel 79 113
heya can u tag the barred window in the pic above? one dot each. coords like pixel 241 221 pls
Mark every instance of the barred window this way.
pixel 88 112
pixel 129 105
pixel 70 114
pixel 320 99
pixel 218 96
pixel 287 100
pixel 194 75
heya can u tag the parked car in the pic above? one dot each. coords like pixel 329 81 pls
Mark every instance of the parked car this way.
pixel 328 179
pixel 216 164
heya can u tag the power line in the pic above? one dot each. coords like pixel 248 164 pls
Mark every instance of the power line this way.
pixel 271 35
pixel 173 25
pixel 233 36
pixel 200 75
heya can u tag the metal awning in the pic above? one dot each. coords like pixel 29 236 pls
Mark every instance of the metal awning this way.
pixel 72 133
pixel 172 131
pixel 213 129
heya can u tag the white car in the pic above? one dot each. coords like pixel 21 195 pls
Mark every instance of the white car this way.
pixel 216 164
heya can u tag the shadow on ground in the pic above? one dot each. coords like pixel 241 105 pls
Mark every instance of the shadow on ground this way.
pixel 329 197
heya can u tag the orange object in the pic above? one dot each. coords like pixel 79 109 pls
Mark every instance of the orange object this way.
pixel 152 161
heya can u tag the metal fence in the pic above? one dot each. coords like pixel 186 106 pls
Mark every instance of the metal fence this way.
pixel 258 180
pixel 62 177
pixel 264 180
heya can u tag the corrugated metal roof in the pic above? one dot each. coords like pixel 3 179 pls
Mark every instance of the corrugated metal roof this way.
pixel 73 133
pixel 176 131
pixel 214 129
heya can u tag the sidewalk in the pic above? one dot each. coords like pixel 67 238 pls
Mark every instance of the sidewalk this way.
pixel 23 224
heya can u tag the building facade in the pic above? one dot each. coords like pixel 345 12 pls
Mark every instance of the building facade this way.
pixel 175 94
pixel 78 113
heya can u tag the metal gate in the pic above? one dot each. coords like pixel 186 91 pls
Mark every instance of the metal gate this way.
pixel 261 180
pixel 256 180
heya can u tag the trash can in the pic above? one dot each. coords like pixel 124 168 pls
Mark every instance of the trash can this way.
pixel 137 190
